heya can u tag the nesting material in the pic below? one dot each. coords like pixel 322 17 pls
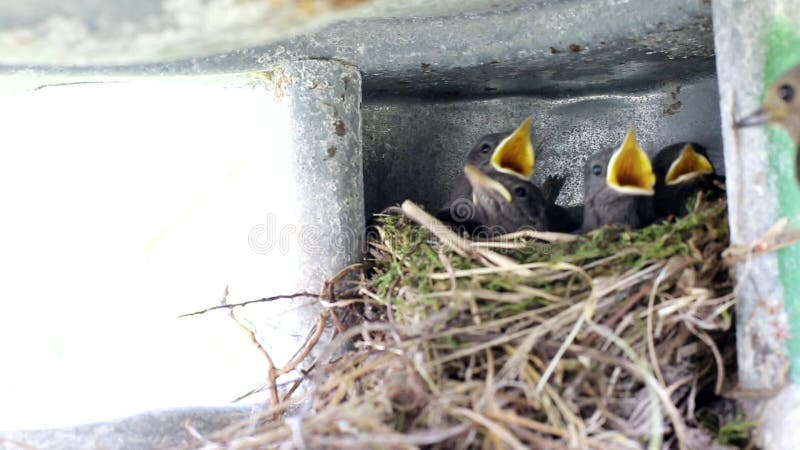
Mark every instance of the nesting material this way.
pixel 617 339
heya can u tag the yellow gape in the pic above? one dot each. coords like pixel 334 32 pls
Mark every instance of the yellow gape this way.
pixel 515 154
pixel 687 166
pixel 629 169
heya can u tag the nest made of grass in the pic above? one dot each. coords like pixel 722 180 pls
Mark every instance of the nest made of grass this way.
pixel 614 340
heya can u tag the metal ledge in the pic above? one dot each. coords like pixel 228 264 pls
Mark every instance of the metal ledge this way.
pixel 546 47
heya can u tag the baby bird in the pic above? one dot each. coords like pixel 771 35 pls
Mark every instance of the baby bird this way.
pixel 501 156
pixel 682 170
pixel 509 152
pixel 618 187
pixel 781 106
pixel 505 203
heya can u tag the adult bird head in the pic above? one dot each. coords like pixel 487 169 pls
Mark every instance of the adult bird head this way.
pixel 781 105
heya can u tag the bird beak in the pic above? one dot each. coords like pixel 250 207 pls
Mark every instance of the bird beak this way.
pixel 629 170
pixel 759 117
pixel 515 153
pixel 482 182
pixel 687 166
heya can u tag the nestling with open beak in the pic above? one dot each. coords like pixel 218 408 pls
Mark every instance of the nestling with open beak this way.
pixel 510 154
pixel 682 170
pixel 618 187
pixel 505 203
pixel 781 106
pixel 515 156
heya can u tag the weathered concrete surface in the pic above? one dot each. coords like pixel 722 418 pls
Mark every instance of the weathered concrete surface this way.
pixel 152 430
pixel 756 41
pixel 324 98
pixel 458 49
pixel 76 32
pixel 779 420
pixel 118 32
pixel 323 197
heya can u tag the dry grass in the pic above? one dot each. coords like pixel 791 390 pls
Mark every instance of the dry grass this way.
pixel 614 340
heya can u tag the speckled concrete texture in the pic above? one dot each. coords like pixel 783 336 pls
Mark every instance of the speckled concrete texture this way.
pixel 152 430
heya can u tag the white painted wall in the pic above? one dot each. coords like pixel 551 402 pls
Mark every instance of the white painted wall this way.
pixel 122 206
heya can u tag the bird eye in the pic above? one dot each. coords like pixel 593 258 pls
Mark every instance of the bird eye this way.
pixel 520 191
pixel 786 93
pixel 596 169
pixel 485 148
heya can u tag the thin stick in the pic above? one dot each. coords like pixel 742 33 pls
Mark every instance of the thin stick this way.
pixel 271 377
pixel 261 300
pixel 547 236
pixel 639 368
pixel 492 426
pixel 459 245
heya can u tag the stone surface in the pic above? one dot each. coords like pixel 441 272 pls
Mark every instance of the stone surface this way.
pixel 778 419
pixel 152 430
pixel 459 49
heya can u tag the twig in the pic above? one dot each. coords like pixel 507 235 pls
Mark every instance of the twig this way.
pixel 271 377
pixel 492 426
pixel 187 425
pixel 420 438
pixel 459 244
pixel 463 247
pixel 639 369
pixel 309 345
pixel 717 357
pixel 261 300
pixel 664 274
pixel 547 236
pixel 588 312
pixel 775 238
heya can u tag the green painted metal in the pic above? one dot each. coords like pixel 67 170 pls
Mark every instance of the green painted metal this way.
pixel 783 52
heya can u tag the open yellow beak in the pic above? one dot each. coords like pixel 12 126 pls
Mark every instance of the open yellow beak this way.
pixel 480 180
pixel 687 166
pixel 629 170
pixel 515 153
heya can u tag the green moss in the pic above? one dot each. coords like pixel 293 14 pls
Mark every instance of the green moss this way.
pixel 414 256
pixel 735 433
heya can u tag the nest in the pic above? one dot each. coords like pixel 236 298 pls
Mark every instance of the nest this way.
pixel 620 339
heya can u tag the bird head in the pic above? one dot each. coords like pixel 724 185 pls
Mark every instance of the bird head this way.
pixel 506 203
pixel 690 163
pixel 625 170
pixel 781 104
